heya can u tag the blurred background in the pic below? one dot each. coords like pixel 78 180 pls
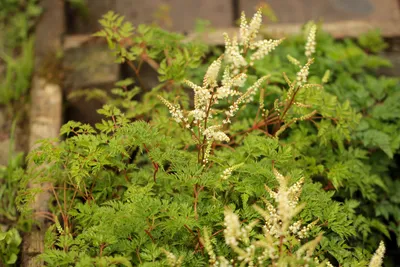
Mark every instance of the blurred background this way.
pixel 207 18
pixel 181 15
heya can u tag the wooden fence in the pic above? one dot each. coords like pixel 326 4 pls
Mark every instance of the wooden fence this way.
pixel 181 15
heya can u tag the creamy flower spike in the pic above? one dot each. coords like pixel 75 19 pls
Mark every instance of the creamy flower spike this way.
pixel 175 110
pixel 302 75
pixel 310 45
pixel 228 82
pixel 233 228
pixel 277 222
pixel 264 48
pixel 210 79
pixel 201 96
pixel 243 98
pixel 232 53
pixel 377 258
pixel 248 32
pixel 213 133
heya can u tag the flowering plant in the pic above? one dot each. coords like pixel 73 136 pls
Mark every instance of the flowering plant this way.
pixel 170 200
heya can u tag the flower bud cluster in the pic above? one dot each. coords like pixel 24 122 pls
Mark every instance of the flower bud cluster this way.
pixel 243 98
pixel 301 232
pixel 228 82
pixel 208 246
pixel 210 79
pixel 302 75
pixel 273 224
pixel 198 115
pixel 264 48
pixel 172 260
pixel 207 153
pixel 233 230
pixel 201 95
pixel 377 258
pixel 226 173
pixel 213 133
pixel 248 32
pixel 294 192
pixel 287 200
pixel 247 256
pixel 310 45
pixel 232 53
pixel 175 110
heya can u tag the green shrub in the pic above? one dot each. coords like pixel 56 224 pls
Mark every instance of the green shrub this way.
pixel 16 47
pixel 204 187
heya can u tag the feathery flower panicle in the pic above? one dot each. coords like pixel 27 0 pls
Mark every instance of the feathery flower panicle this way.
pixel 209 248
pixel 228 171
pixel 175 110
pixel 255 24
pixel 172 260
pixel 311 43
pixel 198 115
pixel 239 79
pixel 295 192
pixel 285 210
pixel 233 229
pixel 210 79
pixel 201 95
pixel 279 177
pixel 213 133
pixel 228 82
pixel 207 153
pixel 264 48
pixel 232 53
pixel 222 262
pixel 235 80
pixel 243 98
pixel 248 32
pixel 302 75
pixel 377 258
pixel 278 219
pixel 243 29
pixel 293 60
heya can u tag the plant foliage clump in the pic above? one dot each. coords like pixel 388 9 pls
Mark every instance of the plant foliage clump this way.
pixel 249 167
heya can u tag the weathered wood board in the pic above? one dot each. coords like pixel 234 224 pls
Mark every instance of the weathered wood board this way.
pixel 45 116
pixel 178 15
pixel 183 13
pixel 301 11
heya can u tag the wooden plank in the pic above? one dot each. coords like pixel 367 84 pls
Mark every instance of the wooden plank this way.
pixel 45 115
pixel 339 30
pixel 183 13
pixel 177 15
pixel 301 11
